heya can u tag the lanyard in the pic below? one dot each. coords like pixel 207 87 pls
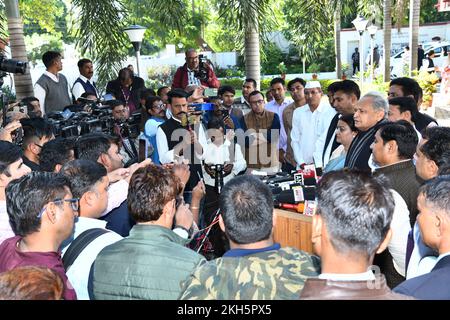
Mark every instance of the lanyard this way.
pixel 127 98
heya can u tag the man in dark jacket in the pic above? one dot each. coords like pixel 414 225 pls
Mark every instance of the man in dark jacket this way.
pixel 351 225
pixel 434 224
pixel 127 88
pixel 194 73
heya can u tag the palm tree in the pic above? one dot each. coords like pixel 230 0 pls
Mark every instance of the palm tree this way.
pixel 23 83
pixel 387 30
pixel 414 19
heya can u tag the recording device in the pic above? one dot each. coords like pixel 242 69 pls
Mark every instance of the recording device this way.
pixel 12 66
pixel 129 128
pixel 211 92
pixel 202 72
pixel 218 176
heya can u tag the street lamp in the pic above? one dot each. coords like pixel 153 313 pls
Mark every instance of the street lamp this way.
pixel 136 34
pixel 372 31
pixel 180 46
pixel 360 24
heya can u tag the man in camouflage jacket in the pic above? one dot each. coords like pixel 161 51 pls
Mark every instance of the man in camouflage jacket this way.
pixel 255 267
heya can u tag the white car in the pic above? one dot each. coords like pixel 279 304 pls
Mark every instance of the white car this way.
pixel 441 50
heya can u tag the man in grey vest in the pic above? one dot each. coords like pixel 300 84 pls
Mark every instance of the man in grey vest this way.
pixel 52 88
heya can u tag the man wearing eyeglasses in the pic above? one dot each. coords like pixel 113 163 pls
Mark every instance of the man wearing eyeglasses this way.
pixel 262 132
pixel 36 132
pixel 42 213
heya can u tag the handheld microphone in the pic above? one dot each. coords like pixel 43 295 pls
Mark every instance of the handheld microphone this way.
pixel 297 207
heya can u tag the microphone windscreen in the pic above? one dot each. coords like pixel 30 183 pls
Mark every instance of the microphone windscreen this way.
pixel 309 181
pixel 286 196
pixel 276 190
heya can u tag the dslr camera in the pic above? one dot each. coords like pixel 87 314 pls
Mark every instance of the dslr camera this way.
pixel 202 72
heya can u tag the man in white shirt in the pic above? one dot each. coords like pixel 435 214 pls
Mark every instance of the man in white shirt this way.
pixel 90 184
pixel 277 105
pixel 52 88
pixel 84 83
pixel 309 123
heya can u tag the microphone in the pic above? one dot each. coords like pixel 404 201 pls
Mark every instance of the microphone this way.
pixel 184 120
pixel 297 207
pixel 299 194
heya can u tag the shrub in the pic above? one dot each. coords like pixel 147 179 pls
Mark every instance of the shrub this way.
pixel 160 76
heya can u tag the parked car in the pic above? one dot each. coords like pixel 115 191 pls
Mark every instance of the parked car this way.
pixel 441 50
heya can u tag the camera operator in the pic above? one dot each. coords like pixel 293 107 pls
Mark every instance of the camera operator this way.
pixel 33 107
pixel 220 112
pixel 130 145
pixel 127 88
pixel 195 72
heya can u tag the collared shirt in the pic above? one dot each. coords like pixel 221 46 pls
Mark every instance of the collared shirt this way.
pixel 278 109
pixel 78 89
pixel 30 164
pixel 78 273
pixel 307 127
pixel 441 256
pixel 192 80
pixel 365 276
pixel 166 155
pixel 5 228
pixel 246 252
pixel 40 93
pixel 220 155
pixel 288 115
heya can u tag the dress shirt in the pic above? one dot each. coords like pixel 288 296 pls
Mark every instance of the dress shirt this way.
pixel 220 155
pixel 192 80
pixel 78 273
pixel 307 127
pixel 365 276
pixel 166 155
pixel 40 93
pixel 78 89
pixel 274 107
pixel 5 228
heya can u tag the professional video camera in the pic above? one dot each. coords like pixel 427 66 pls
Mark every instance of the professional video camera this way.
pixel 12 66
pixel 202 72
pixel 129 128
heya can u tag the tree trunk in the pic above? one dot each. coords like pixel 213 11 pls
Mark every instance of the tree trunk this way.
pixel 337 41
pixel 23 83
pixel 387 27
pixel 414 19
pixel 252 55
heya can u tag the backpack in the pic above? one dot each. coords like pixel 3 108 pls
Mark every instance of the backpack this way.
pixel 79 244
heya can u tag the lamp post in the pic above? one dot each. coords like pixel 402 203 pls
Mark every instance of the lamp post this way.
pixel 204 45
pixel 360 24
pixel 180 46
pixel 136 34
pixel 372 31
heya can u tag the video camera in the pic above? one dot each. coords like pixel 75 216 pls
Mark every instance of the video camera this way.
pixel 202 72
pixel 12 66
pixel 129 128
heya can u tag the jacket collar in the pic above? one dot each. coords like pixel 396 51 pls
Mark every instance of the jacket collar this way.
pixel 152 231
pixel 442 263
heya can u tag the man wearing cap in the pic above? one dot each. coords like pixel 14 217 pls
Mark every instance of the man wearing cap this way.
pixel 309 123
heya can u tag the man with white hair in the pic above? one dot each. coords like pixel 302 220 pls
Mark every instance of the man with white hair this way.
pixel 371 111
pixel 309 123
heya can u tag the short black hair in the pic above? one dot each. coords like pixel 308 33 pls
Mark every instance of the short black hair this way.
pixel 27 100
pixel 26 196
pixel 160 89
pixel 35 128
pixel 253 81
pixel 150 189
pixel 357 210
pixel 409 87
pixel 216 123
pixel 125 74
pixel 430 53
pixel 348 87
pixel 404 134
pixel 246 206
pixel 349 120
pixel 224 89
pixel 437 146
pixel 55 152
pixel 149 102
pixel 254 93
pixel 436 193
pixel 49 57
pixel 92 145
pixel 82 62
pixel 332 86
pixel 291 83
pixel 9 153
pixel 277 80
pixel 83 175
pixel 115 103
pixel 176 93
pixel 405 104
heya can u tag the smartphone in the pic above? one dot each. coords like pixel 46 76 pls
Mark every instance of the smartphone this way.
pixel 211 92
pixel 142 150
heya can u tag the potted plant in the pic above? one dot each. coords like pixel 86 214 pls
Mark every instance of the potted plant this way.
pixel 345 69
pixel 427 82
pixel 314 68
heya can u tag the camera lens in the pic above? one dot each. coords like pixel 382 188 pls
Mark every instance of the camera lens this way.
pixel 13 66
